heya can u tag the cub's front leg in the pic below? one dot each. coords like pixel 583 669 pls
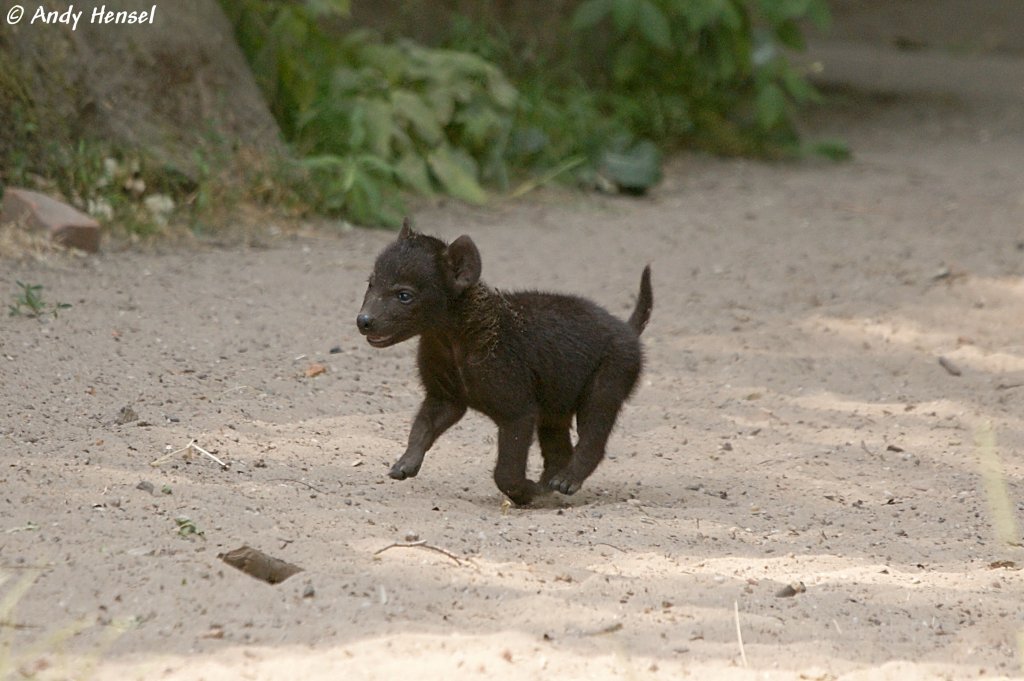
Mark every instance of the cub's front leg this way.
pixel 435 416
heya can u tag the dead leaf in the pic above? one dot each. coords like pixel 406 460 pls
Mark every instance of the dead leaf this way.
pixel 315 369
pixel 1006 564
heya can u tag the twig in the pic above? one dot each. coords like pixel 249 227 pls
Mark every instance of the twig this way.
pixel 300 482
pixel 238 388
pixel 18 625
pixel 739 634
pixel 191 445
pixel 29 527
pixel 604 543
pixel 203 451
pixel 530 185
pixel 606 629
pixel 864 446
pixel 421 543
pixel 160 461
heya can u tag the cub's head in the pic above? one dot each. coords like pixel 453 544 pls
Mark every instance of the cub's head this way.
pixel 413 284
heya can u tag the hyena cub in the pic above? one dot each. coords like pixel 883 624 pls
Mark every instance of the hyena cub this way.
pixel 528 360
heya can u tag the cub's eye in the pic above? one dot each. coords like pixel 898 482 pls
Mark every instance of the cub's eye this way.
pixel 404 296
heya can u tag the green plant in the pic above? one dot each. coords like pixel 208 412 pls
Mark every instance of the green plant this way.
pixel 120 187
pixel 29 302
pixel 370 121
pixel 187 528
pixel 713 73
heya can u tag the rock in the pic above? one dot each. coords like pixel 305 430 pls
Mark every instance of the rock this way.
pixel 257 564
pixel 65 225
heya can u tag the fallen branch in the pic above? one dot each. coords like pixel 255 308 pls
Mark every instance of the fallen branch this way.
pixel 422 543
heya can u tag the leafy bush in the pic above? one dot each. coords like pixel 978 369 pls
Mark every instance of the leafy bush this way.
pixel 708 72
pixel 370 120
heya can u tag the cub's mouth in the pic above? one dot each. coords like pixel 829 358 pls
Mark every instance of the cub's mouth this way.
pixel 379 341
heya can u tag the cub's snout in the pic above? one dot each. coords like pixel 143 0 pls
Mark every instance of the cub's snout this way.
pixel 385 321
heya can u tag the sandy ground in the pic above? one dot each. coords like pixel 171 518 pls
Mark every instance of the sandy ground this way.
pixel 794 425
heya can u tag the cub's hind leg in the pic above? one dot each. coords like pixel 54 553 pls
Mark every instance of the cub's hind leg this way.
pixel 555 446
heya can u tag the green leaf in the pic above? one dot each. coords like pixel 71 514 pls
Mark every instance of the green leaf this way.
pixel 771 106
pixel 628 63
pixel 590 13
pixel 442 101
pixel 481 126
pixel 502 92
pixel 732 17
pixel 798 88
pixel 322 8
pixel 454 178
pixel 789 34
pixel 379 125
pixel 624 14
pixel 654 25
pixel 412 170
pixel 818 13
pixel 701 13
pixel 422 117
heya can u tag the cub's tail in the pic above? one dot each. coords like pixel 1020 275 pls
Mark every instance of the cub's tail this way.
pixel 644 302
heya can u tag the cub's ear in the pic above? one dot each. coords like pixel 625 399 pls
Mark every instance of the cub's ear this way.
pixel 463 264
pixel 406 232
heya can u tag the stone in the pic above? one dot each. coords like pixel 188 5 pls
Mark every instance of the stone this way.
pixel 66 226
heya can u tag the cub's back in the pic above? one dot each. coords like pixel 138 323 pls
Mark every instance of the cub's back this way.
pixel 565 338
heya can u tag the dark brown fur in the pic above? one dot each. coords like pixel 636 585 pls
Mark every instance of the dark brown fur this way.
pixel 530 361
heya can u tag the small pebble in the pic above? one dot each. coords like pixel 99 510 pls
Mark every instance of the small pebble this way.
pixel 791 590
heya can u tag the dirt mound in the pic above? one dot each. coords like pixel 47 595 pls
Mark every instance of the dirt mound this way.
pixel 165 87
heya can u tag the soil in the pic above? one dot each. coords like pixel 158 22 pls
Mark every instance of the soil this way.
pixel 820 476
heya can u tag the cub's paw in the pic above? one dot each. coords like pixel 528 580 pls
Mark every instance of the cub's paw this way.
pixel 563 482
pixel 404 469
pixel 524 494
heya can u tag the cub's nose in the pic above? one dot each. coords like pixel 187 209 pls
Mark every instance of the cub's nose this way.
pixel 364 322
